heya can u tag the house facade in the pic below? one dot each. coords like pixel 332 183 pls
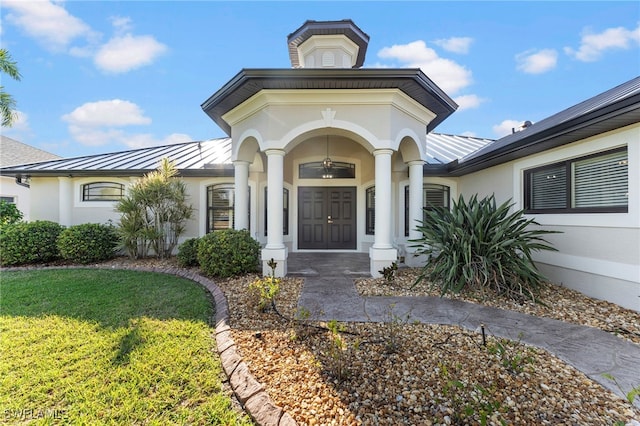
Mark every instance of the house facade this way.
pixel 329 156
pixel 12 190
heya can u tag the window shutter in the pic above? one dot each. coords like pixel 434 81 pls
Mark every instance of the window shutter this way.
pixel 601 181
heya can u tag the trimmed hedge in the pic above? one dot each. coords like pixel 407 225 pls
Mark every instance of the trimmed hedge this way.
pixel 88 242
pixel 228 252
pixel 188 253
pixel 29 242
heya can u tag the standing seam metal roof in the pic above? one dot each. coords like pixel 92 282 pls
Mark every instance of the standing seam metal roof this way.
pixel 207 155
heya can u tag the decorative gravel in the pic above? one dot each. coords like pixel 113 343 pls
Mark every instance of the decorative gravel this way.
pixel 402 373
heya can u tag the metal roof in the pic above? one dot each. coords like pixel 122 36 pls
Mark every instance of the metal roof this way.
pixel 443 149
pixel 610 110
pixel 201 158
pixel 412 81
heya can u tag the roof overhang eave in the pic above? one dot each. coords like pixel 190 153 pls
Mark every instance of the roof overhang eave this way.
pixel 588 125
pixel 249 82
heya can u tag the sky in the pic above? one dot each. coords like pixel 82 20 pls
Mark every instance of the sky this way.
pixel 107 76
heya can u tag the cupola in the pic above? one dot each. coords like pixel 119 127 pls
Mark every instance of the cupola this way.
pixel 328 44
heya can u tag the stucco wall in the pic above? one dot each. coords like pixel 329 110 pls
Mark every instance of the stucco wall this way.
pixel 599 253
pixel 20 194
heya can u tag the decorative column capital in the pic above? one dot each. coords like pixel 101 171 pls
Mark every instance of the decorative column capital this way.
pixel 275 151
pixel 383 151
pixel 415 163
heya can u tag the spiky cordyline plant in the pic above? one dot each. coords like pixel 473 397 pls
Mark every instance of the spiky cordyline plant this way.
pixel 481 246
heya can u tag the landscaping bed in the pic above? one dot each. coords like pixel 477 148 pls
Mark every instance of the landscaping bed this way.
pixel 403 373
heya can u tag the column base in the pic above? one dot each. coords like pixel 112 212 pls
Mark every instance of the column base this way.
pixel 381 258
pixel 279 255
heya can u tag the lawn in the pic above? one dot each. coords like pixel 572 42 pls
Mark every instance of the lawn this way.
pixel 87 346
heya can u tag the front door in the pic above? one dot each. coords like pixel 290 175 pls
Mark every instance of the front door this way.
pixel 327 218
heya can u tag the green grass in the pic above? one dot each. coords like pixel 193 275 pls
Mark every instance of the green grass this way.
pixel 82 346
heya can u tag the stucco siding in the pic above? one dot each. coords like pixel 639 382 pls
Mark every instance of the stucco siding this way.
pixel 45 199
pixel 496 180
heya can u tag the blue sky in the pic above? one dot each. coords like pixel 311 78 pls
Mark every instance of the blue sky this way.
pixel 115 75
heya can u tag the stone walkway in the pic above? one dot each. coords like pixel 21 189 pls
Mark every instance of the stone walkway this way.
pixel 330 293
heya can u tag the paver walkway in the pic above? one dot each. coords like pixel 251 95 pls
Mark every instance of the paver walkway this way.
pixel 330 293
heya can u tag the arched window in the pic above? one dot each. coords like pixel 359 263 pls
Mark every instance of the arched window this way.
pixel 102 191
pixel 220 207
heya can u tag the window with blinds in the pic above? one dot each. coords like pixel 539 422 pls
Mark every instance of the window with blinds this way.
pixel 220 207
pixel 285 211
pixel 434 195
pixel 370 208
pixel 597 183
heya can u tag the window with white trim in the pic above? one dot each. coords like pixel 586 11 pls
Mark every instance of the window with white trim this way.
pixel 370 210
pixel 434 195
pixel 220 207
pixel 285 211
pixel 102 191
pixel 597 183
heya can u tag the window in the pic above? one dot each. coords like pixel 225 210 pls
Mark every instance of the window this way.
pixel 434 195
pixel 327 170
pixel 102 191
pixel 593 184
pixel 220 207
pixel 10 200
pixel 285 211
pixel 370 197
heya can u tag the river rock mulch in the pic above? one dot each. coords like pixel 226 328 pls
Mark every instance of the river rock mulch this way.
pixel 417 374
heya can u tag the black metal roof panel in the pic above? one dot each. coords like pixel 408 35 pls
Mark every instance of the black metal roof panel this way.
pixel 412 81
pixel 211 158
pixel 610 110
pixel 311 28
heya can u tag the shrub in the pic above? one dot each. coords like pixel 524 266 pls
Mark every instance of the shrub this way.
pixel 188 253
pixel 29 242
pixel 482 246
pixel 89 242
pixel 228 253
pixel 9 213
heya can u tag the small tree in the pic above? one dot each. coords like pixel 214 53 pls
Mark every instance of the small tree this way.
pixel 154 212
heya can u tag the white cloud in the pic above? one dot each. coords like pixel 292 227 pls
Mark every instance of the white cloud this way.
pixel 468 102
pixel 455 44
pixel 594 45
pixel 447 74
pixel 114 113
pixel 47 22
pixel 121 24
pixel 128 52
pixel 506 127
pixel 103 122
pixel 537 62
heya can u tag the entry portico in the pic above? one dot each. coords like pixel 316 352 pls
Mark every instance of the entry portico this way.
pixel 318 115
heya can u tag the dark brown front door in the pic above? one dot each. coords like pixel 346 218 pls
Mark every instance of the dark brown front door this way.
pixel 327 218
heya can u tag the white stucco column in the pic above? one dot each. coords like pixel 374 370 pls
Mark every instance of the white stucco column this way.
pixel 382 253
pixel 275 248
pixel 241 185
pixel 415 209
pixel 65 200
